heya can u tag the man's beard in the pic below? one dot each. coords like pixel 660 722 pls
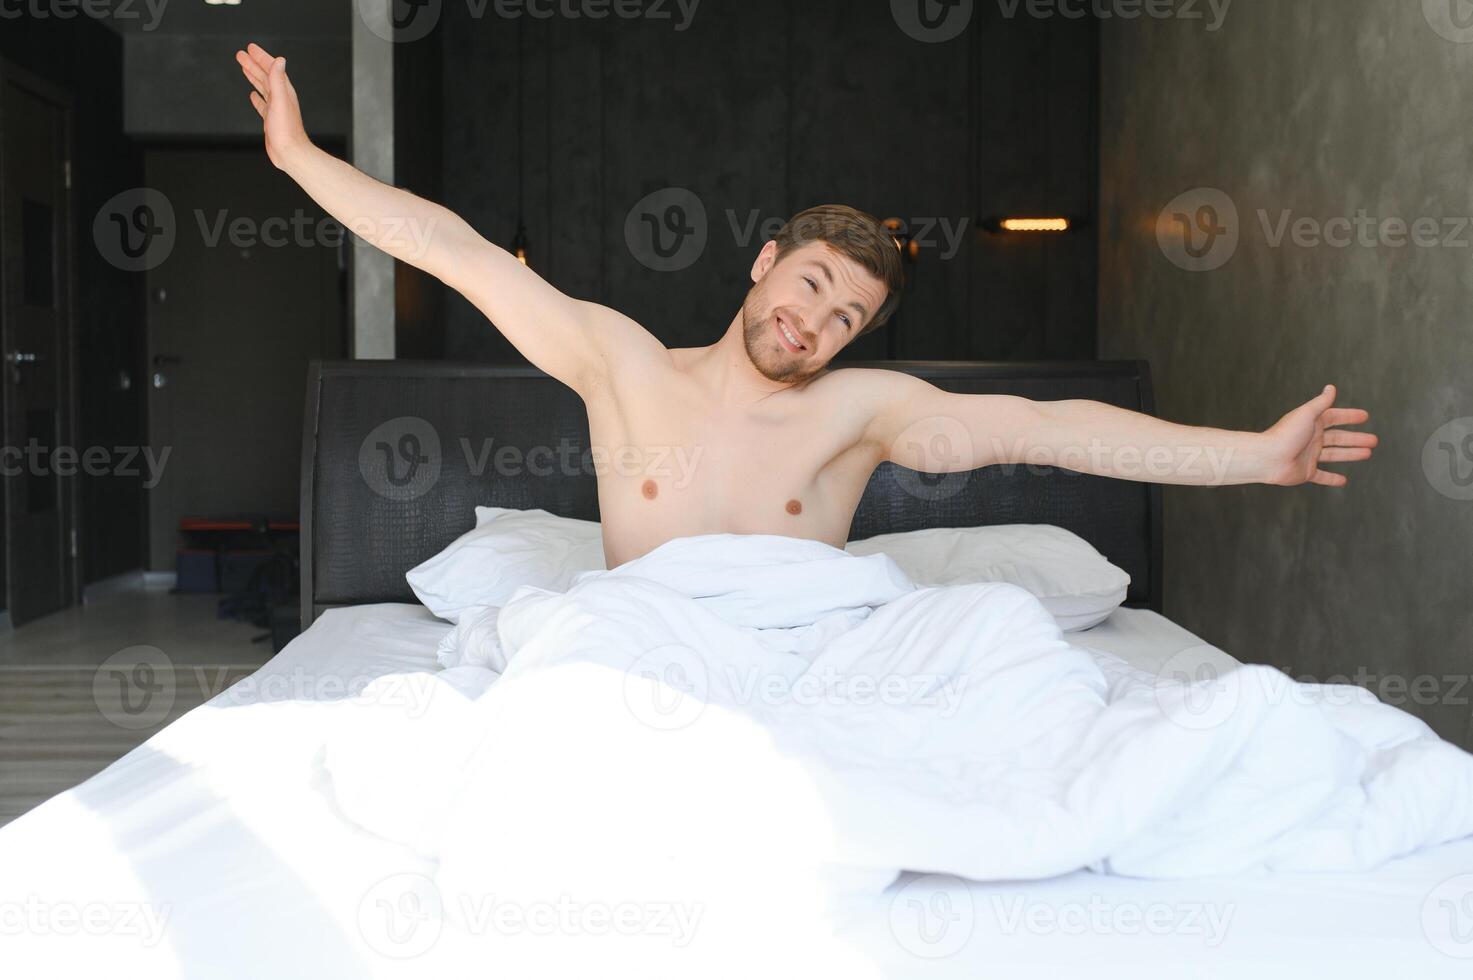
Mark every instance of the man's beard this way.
pixel 772 360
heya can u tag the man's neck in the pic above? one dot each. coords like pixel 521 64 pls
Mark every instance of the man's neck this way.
pixel 725 370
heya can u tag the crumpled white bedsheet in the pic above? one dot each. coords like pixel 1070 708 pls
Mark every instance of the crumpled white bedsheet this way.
pixel 729 712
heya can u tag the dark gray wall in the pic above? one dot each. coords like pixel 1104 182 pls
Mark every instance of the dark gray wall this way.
pixel 1324 108
pixel 764 107
pixel 180 85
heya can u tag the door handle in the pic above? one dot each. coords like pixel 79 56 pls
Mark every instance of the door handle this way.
pixel 15 358
pixel 161 361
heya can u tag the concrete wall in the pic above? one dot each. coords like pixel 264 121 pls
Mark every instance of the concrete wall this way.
pixel 372 303
pixel 1322 109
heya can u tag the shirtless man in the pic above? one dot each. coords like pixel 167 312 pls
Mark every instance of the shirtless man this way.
pixel 779 443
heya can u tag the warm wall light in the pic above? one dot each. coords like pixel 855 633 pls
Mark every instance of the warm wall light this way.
pixel 519 241
pixel 1030 224
pixel 519 244
pixel 910 249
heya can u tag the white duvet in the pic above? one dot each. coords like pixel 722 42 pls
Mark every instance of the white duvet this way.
pixel 738 736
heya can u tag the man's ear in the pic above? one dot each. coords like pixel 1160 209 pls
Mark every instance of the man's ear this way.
pixel 764 261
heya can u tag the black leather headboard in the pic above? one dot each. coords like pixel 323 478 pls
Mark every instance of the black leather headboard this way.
pixel 463 435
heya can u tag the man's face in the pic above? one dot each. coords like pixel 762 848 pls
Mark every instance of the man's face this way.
pixel 802 311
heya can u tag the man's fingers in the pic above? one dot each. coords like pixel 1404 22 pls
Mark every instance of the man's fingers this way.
pixel 259 56
pixel 1344 455
pixel 1327 479
pixel 253 74
pixel 1343 437
pixel 1347 416
pixel 259 103
pixel 278 77
pixel 248 65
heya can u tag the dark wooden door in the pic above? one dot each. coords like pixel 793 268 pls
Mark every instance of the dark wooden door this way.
pixel 39 469
pixel 249 293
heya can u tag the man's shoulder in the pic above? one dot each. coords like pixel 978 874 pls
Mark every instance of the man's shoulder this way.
pixel 618 334
pixel 865 397
pixel 865 384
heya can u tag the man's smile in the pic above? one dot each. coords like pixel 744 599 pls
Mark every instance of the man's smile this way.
pixel 786 336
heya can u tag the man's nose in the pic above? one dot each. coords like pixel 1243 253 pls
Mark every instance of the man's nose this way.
pixel 801 318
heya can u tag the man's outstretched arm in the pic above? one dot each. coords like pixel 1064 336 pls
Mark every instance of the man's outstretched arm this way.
pixel 557 333
pixel 920 426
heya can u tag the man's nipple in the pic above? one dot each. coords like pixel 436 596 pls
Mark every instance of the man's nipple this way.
pixel 795 507
pixel 650 489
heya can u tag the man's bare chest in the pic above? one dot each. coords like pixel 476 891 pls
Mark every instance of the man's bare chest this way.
pixel 784 456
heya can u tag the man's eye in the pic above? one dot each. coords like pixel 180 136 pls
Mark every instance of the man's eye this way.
pixel 811 284
pixel 847 324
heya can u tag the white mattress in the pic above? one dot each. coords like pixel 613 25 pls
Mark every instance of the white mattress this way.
pixel 208 852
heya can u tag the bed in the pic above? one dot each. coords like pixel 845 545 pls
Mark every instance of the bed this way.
pixel 213 850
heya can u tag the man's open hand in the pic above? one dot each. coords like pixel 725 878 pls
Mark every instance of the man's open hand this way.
pixel 276 101
pixel 1306 438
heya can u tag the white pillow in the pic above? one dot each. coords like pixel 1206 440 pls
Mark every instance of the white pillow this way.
pixel 504 551
pixel 1075 583
pixel 511 548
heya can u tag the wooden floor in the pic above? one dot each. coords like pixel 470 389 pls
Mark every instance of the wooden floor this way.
pixel 81 688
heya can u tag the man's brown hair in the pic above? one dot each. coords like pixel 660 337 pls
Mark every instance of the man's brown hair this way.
pixel 857 236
